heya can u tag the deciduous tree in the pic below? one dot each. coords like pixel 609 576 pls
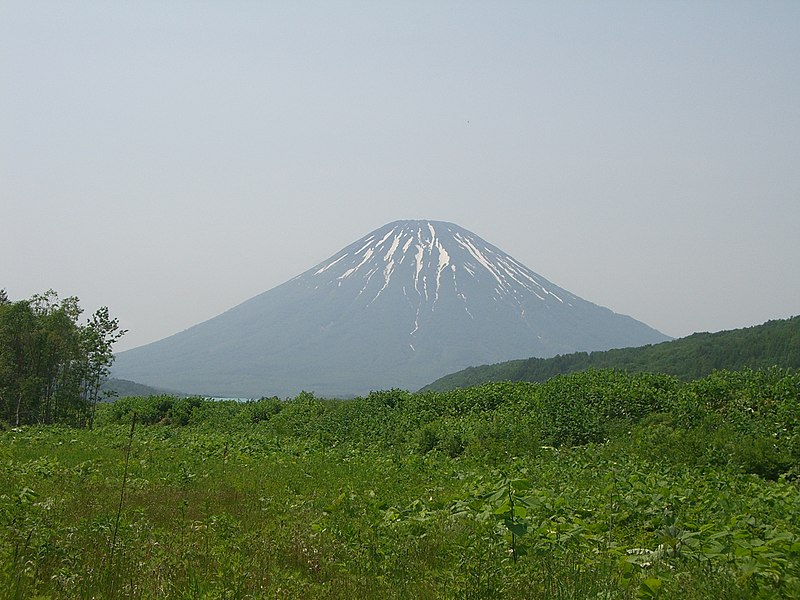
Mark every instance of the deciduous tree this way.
pixel 51 365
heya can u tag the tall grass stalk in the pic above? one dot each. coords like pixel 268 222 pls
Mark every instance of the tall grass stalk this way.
pixel 121 500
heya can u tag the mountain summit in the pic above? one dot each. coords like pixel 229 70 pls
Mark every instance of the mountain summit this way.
pixel 404 305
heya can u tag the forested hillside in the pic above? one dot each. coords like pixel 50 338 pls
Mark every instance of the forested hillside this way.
pixel 123 388
pixel 775 343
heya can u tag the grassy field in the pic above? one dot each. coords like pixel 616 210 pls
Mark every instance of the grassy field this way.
pixel 593 485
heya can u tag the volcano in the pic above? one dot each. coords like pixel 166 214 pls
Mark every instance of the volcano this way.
pixel 404 305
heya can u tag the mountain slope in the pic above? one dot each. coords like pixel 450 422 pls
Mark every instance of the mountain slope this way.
pixel 775 343
pixel 400 307
pixel 122 388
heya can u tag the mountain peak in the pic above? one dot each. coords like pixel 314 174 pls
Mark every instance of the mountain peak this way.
pixel 429 257
pixel 405 304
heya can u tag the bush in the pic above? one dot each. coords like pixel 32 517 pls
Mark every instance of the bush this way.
pixel 590 406
pixel 452 443
pixel 761 456
pixel 180 413
pixel 427 439
pixel 149 410
pixel 263 409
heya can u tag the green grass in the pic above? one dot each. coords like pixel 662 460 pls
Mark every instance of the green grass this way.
pixel 613 486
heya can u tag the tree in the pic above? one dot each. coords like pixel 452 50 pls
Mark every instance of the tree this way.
pixel 16 376
pixel 99 337
pixel 51 366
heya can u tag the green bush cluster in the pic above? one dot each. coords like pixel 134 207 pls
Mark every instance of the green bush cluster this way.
pixel 749 419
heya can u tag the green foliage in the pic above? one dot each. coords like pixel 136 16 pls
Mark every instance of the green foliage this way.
pixel 775 343
pixel 585 407
pixel 51 367
pixel 427 439
pixel 264 409
pixel 599 484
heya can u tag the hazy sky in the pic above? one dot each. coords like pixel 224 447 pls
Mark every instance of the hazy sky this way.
pixel 171 159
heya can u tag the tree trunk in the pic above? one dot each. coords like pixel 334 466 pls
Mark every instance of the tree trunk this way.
pixel 19 403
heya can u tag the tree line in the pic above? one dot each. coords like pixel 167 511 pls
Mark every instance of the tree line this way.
pixel 52 365
pixel 774 343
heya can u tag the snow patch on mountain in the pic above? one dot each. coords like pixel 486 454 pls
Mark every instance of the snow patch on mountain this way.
pixel 442 256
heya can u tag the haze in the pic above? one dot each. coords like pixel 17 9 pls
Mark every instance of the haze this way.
pixel 171 160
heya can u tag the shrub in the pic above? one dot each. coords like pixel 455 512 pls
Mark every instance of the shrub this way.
pixel 761 456
pixel 180 413
pixel 427 439
pixel 263 409
pixel 452 443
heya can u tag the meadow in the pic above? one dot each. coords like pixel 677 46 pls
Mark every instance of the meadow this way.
pixel 598 484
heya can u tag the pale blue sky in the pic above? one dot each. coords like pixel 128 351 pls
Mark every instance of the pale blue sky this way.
pixel 172 159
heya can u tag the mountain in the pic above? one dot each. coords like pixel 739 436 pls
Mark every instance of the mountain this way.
pixel 400 307
pixel 122 388
pixel 773 344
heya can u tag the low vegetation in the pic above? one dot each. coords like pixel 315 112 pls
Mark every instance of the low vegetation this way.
pixel 599 484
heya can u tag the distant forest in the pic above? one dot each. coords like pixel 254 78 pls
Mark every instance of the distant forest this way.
pixel 123 388
pixel 775 343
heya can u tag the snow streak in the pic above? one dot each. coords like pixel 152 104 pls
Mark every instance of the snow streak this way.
pixel 432 261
